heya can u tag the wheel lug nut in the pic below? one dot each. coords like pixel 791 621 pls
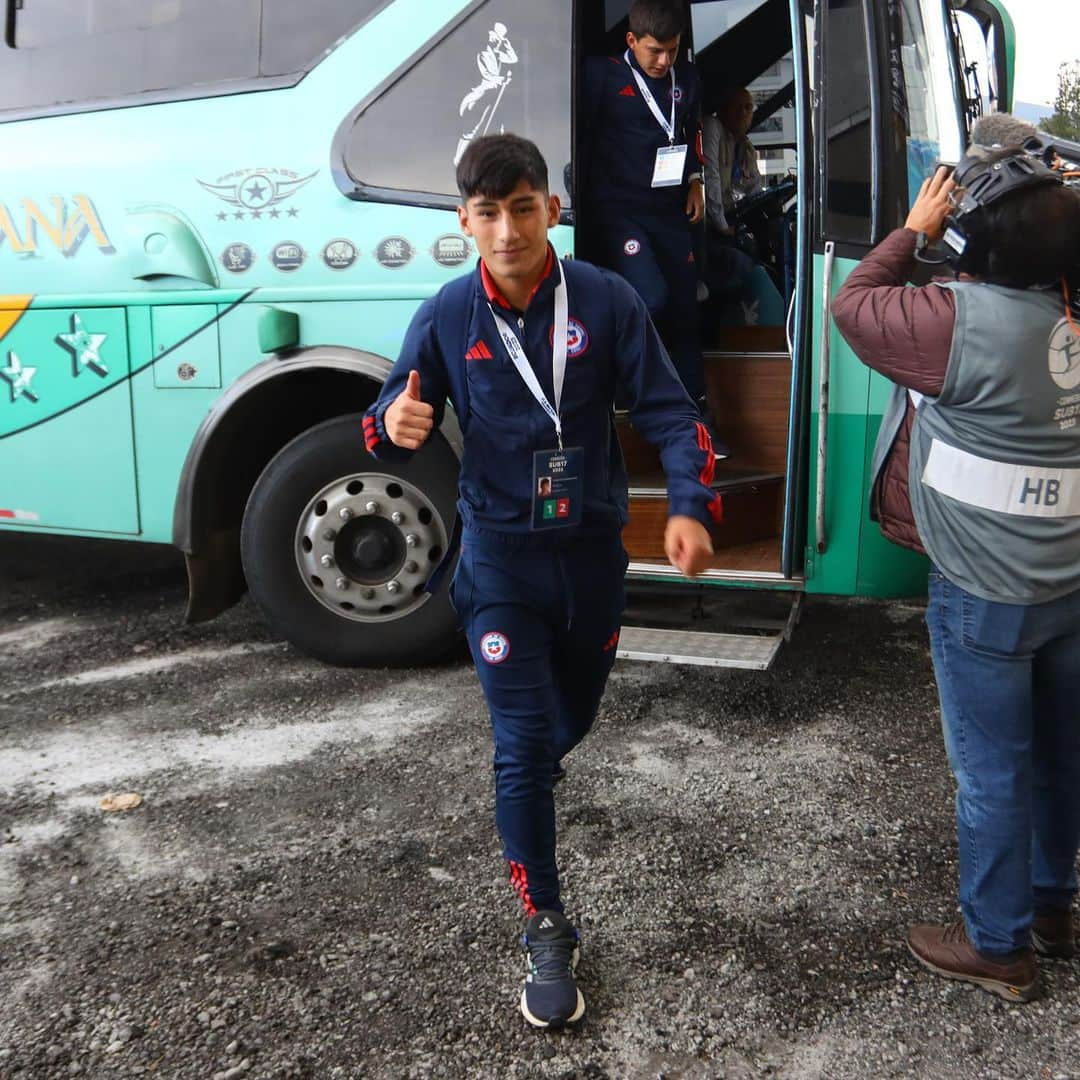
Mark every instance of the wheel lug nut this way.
pixel 393 587
pixel 397 517
pixel 368 594
pixel 345 513
pixel 411 567
pixel 371 507
pixel 412 539
pixel 342 583
pixel 327 561
pixel 329 536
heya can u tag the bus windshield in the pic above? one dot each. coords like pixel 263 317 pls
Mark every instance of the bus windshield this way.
pixel 925 88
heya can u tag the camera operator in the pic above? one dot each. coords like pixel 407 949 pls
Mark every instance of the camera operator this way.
pixel 978 465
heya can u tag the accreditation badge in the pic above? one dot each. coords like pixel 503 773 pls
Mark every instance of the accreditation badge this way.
pixel 558 487
pixel 670 163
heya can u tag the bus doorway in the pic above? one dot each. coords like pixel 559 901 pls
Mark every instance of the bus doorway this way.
pixel 749 373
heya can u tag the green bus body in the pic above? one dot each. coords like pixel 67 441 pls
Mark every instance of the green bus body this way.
pixel 190 279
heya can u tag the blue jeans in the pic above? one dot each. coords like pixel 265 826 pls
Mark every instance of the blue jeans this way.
pixel 1008 677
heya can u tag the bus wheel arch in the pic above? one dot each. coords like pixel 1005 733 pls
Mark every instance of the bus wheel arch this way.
pixel 259 414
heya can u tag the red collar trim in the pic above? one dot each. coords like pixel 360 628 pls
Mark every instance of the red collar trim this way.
pixel 492 290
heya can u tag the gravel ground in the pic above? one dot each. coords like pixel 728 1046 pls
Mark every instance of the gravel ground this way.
pixel 312 885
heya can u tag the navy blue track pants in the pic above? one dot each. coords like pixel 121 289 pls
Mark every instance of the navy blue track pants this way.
pixel 542 625
pixel 656 255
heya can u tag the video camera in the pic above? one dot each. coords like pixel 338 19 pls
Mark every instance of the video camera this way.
pixel 984 178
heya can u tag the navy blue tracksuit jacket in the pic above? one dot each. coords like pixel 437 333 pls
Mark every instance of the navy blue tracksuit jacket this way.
pixel 642 232
pixel 624 137
pixel 541 609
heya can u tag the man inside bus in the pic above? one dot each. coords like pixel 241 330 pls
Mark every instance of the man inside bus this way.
pixel 644 189
pixel 978 465
pixel 539 585
pixel 735 279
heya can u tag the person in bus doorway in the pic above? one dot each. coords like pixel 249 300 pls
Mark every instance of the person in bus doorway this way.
pixel 529 350
pixel 978 465
pixel 644 187
pixel 734 278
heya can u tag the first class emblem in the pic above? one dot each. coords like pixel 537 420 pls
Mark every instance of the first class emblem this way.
pixel 494 647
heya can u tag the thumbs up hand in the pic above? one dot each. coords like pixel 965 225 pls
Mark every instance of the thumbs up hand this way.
pixel 409 419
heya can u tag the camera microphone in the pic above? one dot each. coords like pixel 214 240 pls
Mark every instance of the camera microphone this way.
pixel 1004 130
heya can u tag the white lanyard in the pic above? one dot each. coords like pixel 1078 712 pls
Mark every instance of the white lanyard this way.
pixel 558 354
pixel 646 93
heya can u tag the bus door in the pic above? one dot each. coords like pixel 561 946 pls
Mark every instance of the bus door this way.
pixel 747 286
pixel 890 110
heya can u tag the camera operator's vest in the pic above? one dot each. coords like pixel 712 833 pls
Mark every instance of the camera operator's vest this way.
pixel 995 458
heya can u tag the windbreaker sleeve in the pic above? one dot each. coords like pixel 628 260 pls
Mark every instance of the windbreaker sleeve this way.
pixel 419 352
pixel 902 331
pixel 660 409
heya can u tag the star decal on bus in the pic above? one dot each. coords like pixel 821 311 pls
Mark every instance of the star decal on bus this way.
pixel 256 190
pixel 19 377
pixel 84 348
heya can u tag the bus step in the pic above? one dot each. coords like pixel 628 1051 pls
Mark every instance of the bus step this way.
pixel 754 652
pixel 744 627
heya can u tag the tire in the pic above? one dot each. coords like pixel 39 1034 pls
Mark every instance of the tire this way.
pixel 337 547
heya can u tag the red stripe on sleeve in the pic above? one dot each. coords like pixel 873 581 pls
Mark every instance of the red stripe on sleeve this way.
pixel 705 443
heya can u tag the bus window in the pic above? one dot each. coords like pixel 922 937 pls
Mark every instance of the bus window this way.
pixel 505 68
pixel 926 95
pixel 67 52
pixel 844 139
pixel 294 36
pixel 713 19
pixel 71 50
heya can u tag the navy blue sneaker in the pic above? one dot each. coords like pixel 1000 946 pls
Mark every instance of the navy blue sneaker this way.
pixel 551 997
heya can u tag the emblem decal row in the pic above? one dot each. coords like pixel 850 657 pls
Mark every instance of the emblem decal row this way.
pixel 450 250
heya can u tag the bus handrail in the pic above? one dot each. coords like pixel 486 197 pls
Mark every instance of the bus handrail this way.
pixel 821 538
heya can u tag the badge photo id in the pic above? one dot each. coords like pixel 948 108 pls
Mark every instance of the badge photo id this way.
pixel 670 161
pixel 558 487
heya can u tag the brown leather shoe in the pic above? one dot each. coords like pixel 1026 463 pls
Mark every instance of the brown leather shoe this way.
pixel 1052 934
pixel 947 951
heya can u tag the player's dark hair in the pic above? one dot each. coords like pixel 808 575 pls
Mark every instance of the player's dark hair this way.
pixel 661 19
pixel 494 165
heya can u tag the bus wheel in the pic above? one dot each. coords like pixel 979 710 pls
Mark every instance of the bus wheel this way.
pixel 337 548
